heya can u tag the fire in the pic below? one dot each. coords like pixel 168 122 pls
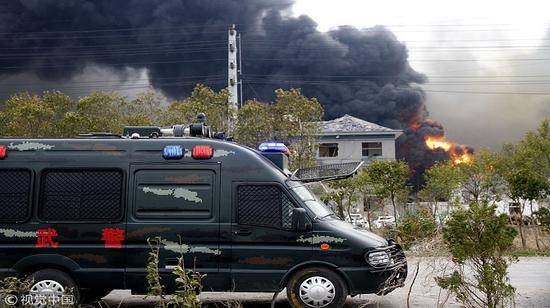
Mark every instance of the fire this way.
pixel 437 143
pixel 460 154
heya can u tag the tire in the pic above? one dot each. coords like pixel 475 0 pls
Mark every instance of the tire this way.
pixel 327 289
pixel 89 296
pixel 52 277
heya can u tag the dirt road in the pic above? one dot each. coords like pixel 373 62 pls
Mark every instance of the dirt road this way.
pixel 530 276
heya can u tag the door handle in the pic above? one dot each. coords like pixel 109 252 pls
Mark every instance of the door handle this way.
pixel 242 232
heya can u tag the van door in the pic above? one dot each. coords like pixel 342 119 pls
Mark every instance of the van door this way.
pixel 264 245
pixel 179 204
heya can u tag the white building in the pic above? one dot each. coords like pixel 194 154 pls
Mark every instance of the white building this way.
pixel 348 139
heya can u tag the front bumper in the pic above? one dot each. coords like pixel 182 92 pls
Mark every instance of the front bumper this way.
pixel 396 279
pixel 379 280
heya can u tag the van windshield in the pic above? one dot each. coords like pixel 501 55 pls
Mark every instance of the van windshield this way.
pixel 311 200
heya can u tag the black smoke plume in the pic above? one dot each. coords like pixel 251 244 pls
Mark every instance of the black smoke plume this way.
pixel 364 73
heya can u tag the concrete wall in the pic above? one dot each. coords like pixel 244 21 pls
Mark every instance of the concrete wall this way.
pixel 350 149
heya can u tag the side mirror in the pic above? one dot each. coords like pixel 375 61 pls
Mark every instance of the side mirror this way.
pixel 300 222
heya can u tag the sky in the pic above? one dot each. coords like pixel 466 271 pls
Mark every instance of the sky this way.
pixel 471 52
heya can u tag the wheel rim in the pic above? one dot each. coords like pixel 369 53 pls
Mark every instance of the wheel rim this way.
pixel 317 291
pixel 46 288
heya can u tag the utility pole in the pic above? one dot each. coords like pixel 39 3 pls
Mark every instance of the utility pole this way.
pixel 232 75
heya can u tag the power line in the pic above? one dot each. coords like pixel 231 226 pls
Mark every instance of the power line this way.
pixel 382 75
pixel 332 83
pixel 114 30
pixel 486 92
pixel 324 59
pixel 164 34
pixel 128 80
pixel 119 64
pixel 178 43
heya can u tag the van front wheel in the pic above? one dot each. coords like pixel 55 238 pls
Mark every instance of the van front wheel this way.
pixel 316 288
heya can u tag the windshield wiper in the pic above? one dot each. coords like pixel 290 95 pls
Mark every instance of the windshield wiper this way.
pixel 323 217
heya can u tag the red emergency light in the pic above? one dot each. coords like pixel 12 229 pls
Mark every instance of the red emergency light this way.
pixel 3 152
pixel 202 152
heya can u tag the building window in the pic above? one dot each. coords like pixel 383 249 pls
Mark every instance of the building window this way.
pixel 328 150
pixel 370 149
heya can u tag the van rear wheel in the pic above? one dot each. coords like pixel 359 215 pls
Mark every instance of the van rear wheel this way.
pixel 316 287
pixel 52 282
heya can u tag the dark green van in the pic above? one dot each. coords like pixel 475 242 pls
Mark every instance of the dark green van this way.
pixel 77 213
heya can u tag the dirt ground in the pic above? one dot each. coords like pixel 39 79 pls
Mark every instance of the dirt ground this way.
pixel 530 276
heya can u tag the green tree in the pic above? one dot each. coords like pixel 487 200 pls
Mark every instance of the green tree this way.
pixel 99 112
pixel 526 172
pixel 414 227
pixel 292 119
pixel 388 180
pixel 442 181
pixel 479 179
pixel 145 109
pixel 254 124
pixel 344 194
pixel 297 122
pixel 543 217
pixel 26 115
pixel 48 115
pixel 371 202
pixel 203 99
pixel 478 240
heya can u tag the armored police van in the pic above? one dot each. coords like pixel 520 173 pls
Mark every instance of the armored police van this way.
pixel 77 214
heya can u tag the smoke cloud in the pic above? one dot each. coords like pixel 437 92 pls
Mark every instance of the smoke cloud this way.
pixel 361 72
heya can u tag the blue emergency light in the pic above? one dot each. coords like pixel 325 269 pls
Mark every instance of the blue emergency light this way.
pixel 172 152
pixel 271 147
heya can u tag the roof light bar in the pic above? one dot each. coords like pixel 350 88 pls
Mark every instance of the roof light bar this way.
pixel 271 147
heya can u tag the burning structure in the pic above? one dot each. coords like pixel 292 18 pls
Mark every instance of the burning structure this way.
pixel 361 72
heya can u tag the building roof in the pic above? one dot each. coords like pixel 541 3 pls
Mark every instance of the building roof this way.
pixel 352 125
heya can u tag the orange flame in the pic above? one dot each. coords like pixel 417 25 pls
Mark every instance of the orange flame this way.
pixel 459 154
pixel 438 143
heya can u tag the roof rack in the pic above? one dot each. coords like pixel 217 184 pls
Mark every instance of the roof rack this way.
pixel 327 172
pixel 197 129
pixel 101 135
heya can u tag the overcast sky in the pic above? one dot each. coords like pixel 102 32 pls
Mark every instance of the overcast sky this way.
pixel 484 47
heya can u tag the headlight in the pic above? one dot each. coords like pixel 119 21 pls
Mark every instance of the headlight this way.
pixel 378 258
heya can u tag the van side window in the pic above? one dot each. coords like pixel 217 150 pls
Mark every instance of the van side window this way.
pixel 15 192
pixel 164 193
pixel 264 205
pixel 81 195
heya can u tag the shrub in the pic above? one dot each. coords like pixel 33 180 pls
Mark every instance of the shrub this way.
pixel 13 287
pixel 543 217
pixel 415 227
pixel 188 282
pixel 478 240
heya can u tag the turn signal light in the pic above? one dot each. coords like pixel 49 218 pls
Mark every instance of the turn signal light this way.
pixel 202 152
pixel 3 151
